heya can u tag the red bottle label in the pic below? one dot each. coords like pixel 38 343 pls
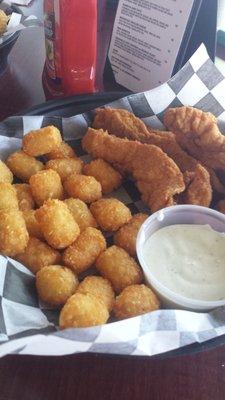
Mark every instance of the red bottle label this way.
pixel 51 45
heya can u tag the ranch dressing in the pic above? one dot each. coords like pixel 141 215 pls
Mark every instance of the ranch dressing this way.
pixel 189 260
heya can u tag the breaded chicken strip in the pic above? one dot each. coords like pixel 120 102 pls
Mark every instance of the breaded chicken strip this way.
pixel 197 132
pixel 157 176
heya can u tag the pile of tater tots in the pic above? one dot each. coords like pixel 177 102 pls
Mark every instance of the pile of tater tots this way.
pixel 53 223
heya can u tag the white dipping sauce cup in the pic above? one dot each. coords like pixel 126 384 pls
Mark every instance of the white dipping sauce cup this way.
pixel 183 214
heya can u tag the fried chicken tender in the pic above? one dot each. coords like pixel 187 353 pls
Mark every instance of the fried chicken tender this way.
pixel 157 176
pixel 56 284
pixel 135 300
pixel 126 236
pixel 65 166
pixel 3 22
pixel 84 251
pixel 24 196
pixel 109 178
pixel 100 288
pixel 110 214
pixel 46 185
pixel 57 224
pixel 62 151
pixel 33 226
pixel 8 197
pixel 198 190
pixel 197 133
pixel 37 255
pixel 6 175
pixel 83 310
pixel 85 188
pixel 119 268
pixel 221 206
pixel 122 123
pixel 13 232
pixel 42 141
pixel 81 213
pixel 23 166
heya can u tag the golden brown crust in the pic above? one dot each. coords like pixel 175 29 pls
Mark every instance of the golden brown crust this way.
pixel 42 141
pixel 100 288
pixel 126 236
pixel 157 176
pixel 110 214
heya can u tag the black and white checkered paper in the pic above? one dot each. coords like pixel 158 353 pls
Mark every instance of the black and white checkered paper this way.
pixel 26 325
pixel 17 23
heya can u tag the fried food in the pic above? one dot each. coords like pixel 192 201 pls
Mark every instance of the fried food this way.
pixel 100 288
pixel 157 176
pixel 57 224
pixel 122 123
pixel 197 132
pixel 3 22
pixel 126 236
pixel 65 166
pixel 46 185
pixel 135 300
pixel 6 175
pixel 24 196
pixel 119 268
pixel 83 310
pixel 37 255
pixel 81 213
pixel 33 226
pixel 42 141
pixel 221 206
pixel 110 214
pixel 198 190
pixel 23 166
pixel 84 251
pixel 8 197
pixel 85 188
pixel 62 151
pixel 109 178
pixel 56 284
pixel 13 232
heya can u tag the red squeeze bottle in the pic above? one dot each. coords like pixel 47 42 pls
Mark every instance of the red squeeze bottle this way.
pixel 71 46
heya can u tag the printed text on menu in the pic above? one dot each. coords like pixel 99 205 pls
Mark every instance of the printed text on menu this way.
pixel 146 39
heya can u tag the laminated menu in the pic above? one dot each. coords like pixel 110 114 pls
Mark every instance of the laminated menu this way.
pixel 146 40
pixel 28 326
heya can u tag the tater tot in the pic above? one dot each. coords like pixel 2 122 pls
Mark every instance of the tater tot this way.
pixel 83 187
pixel 135 300
pixel 23 166
pixel 57 224
pixel 24 196
pixel 109 178
pixel 84 251
pixel 6 175
pixel 65 166
pixel 119 268
pixel 110 214
pixel 56 284
pixel 33 226
pixel 37 255
pixel 221 206
pixel 8 197
pixel 126 236
pixel 62 151
pixel 100 288
pixel 81 213
pixel 46 185
pixel 83 310
pixel 42 141
pixel 13 232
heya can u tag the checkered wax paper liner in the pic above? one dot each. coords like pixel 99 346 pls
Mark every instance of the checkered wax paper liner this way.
pixel 17 23
pixel 29 327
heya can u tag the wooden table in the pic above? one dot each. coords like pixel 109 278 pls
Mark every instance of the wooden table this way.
pixel 83 377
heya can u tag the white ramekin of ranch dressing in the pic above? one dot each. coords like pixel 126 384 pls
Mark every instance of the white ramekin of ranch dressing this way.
pixel 182 252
